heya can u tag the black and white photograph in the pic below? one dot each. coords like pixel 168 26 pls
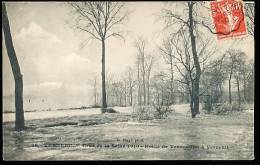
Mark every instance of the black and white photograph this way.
pixel 128 80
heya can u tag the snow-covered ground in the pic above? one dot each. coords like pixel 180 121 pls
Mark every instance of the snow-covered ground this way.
pixel 223 137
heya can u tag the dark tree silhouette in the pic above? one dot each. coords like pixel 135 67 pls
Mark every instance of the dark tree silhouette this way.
pixel 188 21
pixel 18 77
pixel 100 21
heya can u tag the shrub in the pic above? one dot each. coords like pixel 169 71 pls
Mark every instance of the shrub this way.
pixel 151 112
pixel 161 111
pixel 236 107
pixel 96 106
pixel 143 113
pixel 108 110
pixel 224 108
pixel 83 107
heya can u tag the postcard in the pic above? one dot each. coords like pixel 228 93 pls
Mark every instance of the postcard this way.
pixel 128 80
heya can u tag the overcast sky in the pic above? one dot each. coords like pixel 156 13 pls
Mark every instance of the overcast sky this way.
pixel 49 53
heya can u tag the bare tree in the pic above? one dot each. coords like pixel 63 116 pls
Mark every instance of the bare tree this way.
pixel 247 76
pixel 100 21
pixel 231 69
pixel 240 62
pixel 138 66
pixel 161 95
pixel 250 81
pixel 110 80
pixel 233 61
pixel 185 65
pixel 124 82
pixel 167 51
pixel 18 77
pixel 250 87
pixel 141 45
pixel 195 58
pixel 145 63
pixel 120 92
pixel 130 81
pixel 95 92
pixel 188 23
pixel 213 79
pixel 117 90
pixel 148 68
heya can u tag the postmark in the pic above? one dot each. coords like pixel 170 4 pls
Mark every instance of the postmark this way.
pixel 228 18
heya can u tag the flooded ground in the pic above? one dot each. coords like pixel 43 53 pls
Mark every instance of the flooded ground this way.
pixel 118 136
pixel 44 114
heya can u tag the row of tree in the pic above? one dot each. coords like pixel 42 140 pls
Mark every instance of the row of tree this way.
pixel 230 70
pixel 188 51
pixel 237 71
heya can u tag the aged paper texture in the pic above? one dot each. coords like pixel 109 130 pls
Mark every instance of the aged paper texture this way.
pixel 128 80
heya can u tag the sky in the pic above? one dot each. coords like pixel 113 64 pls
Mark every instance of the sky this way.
pixel 54 65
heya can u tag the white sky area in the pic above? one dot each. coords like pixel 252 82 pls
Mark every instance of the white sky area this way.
pixel 52 62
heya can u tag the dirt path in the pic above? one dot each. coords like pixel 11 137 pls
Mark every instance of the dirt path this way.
pixel 120 137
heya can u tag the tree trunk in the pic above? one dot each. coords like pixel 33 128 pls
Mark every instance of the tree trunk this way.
pixel 244 92
pixel 95 92
pixel 221 93
pixel 139 83
pixel 238 92
pixel 187 95
pixel 196 60
pixel 172 99
pixel 229 89
pixel 125 94
pixel 19 114
pixel 117 98
pixel 143 74
pixel 229 83
pixel 120 100
pixel 148 92
pixel 131 94
pixel 103 73
pixel 196 96
pixel 193 114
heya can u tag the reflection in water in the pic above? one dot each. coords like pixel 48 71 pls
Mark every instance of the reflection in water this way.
pixel 19 141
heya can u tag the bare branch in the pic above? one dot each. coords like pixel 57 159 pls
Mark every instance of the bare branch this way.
pixel 91 33
pixel 169 14
pixel 99 18
pixel 115 34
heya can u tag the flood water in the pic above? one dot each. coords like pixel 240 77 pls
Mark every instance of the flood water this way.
pixel 8 117
pixel 223 137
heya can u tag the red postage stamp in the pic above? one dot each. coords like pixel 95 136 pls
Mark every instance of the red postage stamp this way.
pixel 228 18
